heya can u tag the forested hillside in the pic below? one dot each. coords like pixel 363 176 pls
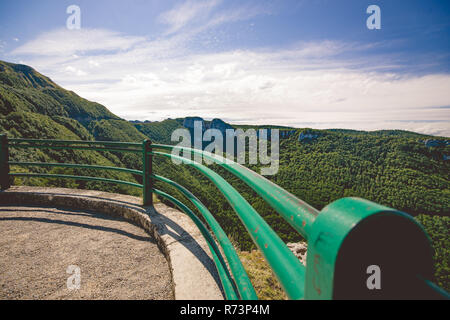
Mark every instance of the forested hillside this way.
pixel 392 168
pixel 404 170
pixel 160 131
pixel 33 106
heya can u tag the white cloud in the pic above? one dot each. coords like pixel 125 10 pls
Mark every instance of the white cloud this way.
pixel 307 85
pixel 74 71
pixel 183 14
pixel 63 42
pixel 193 17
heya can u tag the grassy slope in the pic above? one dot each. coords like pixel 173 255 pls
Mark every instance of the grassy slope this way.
pixel 264 281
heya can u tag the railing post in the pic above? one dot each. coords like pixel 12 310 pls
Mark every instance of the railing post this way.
pixel 147 181
pixel 355 243
pixel 5 181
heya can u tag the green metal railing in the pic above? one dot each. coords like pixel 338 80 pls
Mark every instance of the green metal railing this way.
pixel 340 236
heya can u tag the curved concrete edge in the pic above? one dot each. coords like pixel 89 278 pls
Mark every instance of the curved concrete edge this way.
pixel 193 271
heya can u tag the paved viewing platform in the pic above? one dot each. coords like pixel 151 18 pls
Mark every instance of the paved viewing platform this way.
pixel 123 250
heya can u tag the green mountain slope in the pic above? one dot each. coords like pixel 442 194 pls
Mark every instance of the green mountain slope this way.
pixel 159 131
pixel 33 106
pixel 24 89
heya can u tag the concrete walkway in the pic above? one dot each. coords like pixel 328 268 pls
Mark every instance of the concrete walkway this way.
pixel 115 259
pixel 193 272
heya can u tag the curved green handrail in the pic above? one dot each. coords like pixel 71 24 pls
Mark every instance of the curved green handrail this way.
pixel 243 283
pixel 296 212
pixel 286 266
pixel 73 165
pixel 50 141
pixel 65 176
pixel 225 277
pixel 74 148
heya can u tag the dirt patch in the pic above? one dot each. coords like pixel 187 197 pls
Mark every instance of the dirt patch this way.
pixel 117 260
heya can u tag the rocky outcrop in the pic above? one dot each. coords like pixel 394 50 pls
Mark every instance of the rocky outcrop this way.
pixel 284 134
pixel 299 249
pixel 139 121
pixel 189 122
pixel 220 125
pixel 307 137
pixel 436 143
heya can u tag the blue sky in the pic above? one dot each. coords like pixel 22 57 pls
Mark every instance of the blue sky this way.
pixel 302 63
